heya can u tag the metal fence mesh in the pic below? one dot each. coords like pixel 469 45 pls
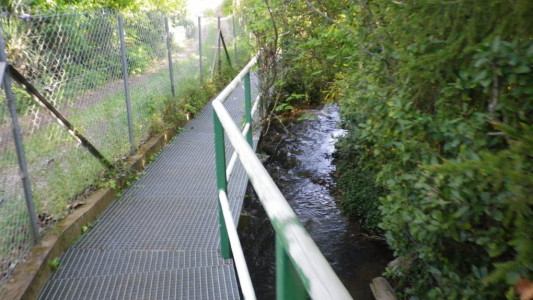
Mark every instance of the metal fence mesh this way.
pixel 74 60
pixel 15 236
pixel 150 81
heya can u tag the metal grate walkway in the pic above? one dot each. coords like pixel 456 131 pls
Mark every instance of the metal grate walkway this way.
pixel 160 239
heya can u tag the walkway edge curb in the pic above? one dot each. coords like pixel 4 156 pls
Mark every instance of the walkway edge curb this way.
pixel 31 275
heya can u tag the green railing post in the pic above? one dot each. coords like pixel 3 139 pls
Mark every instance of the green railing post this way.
pixel 248 108
pixel 288 283
pixel 302 271
pixel 222 185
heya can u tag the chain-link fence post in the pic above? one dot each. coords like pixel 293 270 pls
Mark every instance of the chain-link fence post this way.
pixel 200 48
pixel 234 39
pixel 17 136
pixel 126 81
pixel 218 47
pixel 169 50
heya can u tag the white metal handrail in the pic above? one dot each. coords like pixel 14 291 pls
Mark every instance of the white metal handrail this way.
pixel 314 272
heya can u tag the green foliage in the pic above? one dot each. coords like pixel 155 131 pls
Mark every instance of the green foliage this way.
pixel 360 195
pixel 436 96
pixel 54 264
pixel 191 99
pixel 425 118
pixel 303 38
pixel 286 106
pixel 106 183
pixel 85 228
pixel 170 6
pixel 227 7
pixel 69 53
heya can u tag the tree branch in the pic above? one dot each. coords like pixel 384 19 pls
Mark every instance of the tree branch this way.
pixel 495 88
pixel 311 6
pixel 328 18
pixel 273 24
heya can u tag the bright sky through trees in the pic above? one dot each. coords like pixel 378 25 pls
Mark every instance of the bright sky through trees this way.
pixel 198 7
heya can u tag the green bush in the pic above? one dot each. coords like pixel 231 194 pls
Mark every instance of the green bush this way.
pixel 443 117
pixel 437 100
pixel 359 195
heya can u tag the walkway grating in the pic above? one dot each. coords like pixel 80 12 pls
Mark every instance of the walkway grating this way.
pixel 160 239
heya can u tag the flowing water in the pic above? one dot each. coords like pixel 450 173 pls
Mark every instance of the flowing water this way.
pixel 301 165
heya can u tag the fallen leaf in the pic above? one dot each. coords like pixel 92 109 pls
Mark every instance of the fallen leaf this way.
pixel 524 288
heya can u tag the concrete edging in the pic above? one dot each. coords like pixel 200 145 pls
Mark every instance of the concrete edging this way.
pixel 31 275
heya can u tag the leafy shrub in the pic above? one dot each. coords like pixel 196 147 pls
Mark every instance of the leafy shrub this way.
pixel 359 194
pixel 436 96
pixel 442 117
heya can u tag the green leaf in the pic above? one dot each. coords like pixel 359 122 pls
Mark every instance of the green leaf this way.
pixel 497 215
pixel 486 82
pixel 461 212
pixel 522 69
pixel 496 43
pixel 54 264
pixel 511 278
pixel 481 62
pixel 480 76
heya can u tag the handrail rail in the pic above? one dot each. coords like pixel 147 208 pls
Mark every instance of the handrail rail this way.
pixel 302 270
pixel 228 230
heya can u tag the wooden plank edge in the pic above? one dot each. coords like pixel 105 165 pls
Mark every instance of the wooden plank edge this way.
pixel 381 289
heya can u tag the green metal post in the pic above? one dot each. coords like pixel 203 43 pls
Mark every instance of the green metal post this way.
pixel 248 107
pixel 288 283
pixel 222 185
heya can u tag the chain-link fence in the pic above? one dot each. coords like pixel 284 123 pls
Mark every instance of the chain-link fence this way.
pixel 109 74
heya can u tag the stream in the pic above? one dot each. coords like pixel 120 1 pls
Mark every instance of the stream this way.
pixel 301 164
